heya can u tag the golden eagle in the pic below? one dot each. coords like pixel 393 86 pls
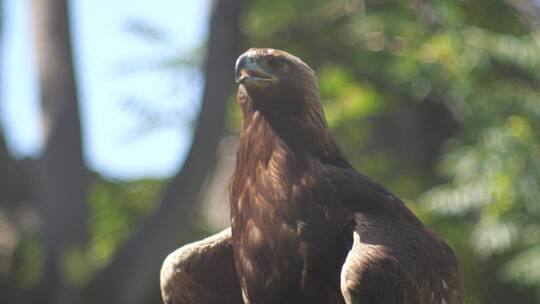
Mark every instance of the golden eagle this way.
pixel 306 227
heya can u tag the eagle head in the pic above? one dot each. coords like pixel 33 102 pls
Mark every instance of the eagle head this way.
pixel 277 80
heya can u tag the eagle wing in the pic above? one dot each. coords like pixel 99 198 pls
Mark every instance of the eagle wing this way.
pixel 393 257
pixel 201 272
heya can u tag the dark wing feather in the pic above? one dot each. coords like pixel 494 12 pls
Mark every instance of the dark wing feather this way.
pixel 359 193
pixel 201 272
pixel 393 258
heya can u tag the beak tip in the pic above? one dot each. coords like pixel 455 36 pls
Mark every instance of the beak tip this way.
pixel 239 78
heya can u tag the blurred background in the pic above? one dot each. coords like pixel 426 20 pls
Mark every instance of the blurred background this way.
pixel 119 130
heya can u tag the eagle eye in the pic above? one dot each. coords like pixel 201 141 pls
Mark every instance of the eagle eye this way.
pixel 277 63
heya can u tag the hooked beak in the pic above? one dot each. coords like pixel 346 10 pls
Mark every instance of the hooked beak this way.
pixel 250 69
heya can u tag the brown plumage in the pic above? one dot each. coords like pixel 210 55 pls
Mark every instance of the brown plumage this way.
pixel 306 227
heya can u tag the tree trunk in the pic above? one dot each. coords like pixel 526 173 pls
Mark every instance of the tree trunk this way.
pixel 15 186
pixel 133 275
pixel 63 178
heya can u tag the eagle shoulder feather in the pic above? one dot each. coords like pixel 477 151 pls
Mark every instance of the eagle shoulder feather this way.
pixel 393 258
pixel 202 272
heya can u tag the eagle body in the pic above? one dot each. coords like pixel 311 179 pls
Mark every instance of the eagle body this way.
pixel 306 227
pixel 286 231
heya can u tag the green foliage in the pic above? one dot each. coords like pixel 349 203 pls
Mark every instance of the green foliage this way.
pixel 29 255
pixel 77 266
pixel 116 211
pixel 378 61
pixel 345 98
